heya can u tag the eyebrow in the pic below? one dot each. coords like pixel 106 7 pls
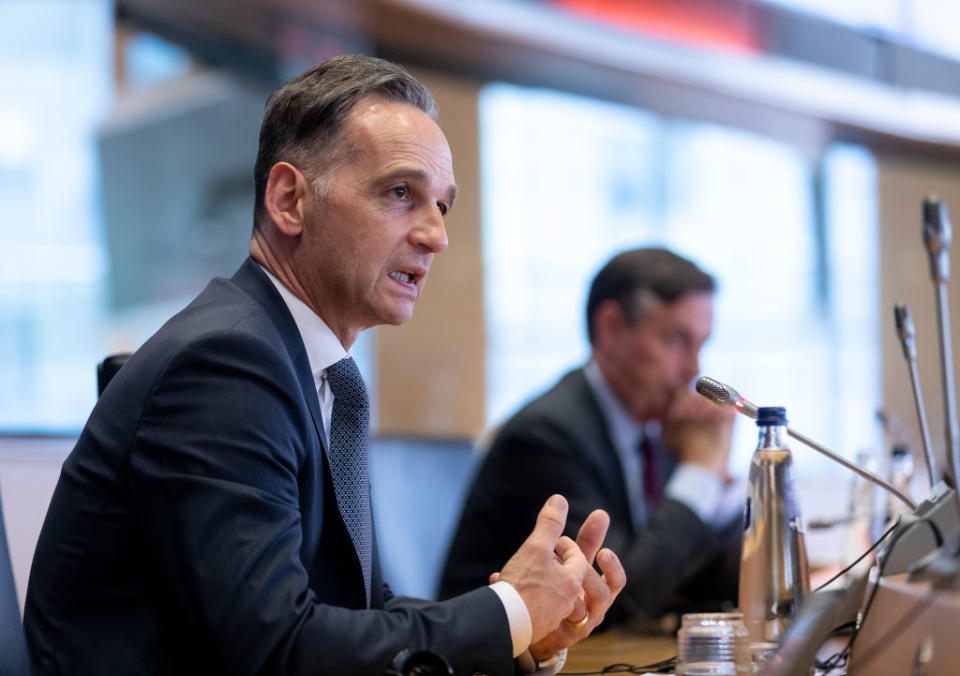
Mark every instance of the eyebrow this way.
pixel 421 176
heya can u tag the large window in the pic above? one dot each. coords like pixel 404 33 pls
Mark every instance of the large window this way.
pixel 55 86
pixel 568 182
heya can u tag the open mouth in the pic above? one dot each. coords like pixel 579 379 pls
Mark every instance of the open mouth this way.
pixel 403 277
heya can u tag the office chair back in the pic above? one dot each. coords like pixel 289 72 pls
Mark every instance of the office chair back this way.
pixel 108 368
pixel 13 645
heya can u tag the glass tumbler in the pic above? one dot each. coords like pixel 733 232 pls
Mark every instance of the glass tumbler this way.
pixel 713 644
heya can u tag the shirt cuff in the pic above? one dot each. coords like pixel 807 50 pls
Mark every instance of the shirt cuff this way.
pixel 698 488
pixel 518 617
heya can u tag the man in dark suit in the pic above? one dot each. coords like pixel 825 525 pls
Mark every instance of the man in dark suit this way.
pixel 624 432
pixel 214 516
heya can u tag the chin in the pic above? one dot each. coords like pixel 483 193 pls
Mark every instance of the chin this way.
pixel 396 316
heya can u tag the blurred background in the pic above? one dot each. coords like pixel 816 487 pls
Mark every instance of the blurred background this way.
pixel 785 145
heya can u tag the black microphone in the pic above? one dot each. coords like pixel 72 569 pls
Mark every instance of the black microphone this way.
pixel 727 397
pixel 419 663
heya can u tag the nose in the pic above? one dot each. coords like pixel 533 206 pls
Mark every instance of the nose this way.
pixel 430 233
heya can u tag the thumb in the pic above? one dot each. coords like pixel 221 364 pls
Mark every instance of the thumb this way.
pixel 550 523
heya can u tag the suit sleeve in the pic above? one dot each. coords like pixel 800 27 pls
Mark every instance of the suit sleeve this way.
pixel 214 475
pixel 534 459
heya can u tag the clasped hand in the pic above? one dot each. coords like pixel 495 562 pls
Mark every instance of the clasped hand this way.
pixel 699 432
pixel 564 594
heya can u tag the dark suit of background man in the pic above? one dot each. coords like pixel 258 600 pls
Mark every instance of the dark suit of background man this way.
pixel 596 438
pixel 214 516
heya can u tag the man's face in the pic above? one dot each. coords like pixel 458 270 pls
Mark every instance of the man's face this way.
pixel 651 361
pixel 371 233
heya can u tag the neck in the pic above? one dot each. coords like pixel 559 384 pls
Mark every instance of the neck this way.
pixel 620 389
pixel 278 260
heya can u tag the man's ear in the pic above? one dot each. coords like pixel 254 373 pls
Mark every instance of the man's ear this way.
pixel 285 198
pixel 609 323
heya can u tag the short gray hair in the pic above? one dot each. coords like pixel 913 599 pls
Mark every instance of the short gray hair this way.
pixel 304 117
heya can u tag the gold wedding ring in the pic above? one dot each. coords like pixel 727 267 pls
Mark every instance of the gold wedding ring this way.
pixel 582 621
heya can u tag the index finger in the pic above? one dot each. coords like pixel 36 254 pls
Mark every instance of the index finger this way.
pixel 572 559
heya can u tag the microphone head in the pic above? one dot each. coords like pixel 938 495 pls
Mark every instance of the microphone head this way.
pixel 714 390
pixel 937 237
pixel 904 320
pixel 905 331
pixel 725 396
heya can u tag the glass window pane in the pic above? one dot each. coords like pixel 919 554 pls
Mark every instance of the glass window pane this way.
pixel 569 181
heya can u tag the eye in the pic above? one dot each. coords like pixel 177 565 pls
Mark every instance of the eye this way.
pixel 443 208
pixel 400 192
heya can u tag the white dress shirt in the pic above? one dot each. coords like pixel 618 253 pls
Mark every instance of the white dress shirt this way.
pixel 324 350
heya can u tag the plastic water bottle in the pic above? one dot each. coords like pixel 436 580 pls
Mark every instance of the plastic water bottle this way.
pixel 774 576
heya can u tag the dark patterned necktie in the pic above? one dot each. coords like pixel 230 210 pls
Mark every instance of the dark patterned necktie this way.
pixel 652 482
pixel 348 459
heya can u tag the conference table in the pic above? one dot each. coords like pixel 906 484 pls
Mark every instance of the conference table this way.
pixel 618 646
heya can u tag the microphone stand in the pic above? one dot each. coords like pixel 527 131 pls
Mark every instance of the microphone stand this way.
pixel 912 544
pixel 727 397
pixel 937 237
pixel 942 566
pixel 904 323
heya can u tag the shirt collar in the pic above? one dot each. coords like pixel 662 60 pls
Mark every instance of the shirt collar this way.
pixel 322 345
pixel 625 430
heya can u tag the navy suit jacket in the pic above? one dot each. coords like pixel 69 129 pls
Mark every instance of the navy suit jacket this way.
pixel 559 443
pixel 194 528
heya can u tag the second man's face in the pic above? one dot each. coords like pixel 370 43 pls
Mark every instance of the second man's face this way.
pixel 372 233
pixel 659 356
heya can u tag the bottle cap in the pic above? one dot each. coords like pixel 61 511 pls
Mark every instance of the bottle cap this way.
pixel 771 415
pixel 900 450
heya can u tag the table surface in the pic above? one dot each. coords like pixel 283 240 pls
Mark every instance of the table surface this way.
pixel 618 646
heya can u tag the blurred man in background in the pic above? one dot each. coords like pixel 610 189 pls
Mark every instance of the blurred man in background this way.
pixel 626 433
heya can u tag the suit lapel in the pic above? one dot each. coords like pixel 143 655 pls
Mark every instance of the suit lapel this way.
pixel 603 452
pixel 253 281
pixel 251 278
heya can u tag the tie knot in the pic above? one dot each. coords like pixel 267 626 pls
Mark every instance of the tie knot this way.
pixel 347 384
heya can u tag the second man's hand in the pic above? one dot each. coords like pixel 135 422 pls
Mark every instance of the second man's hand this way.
pixel 699 432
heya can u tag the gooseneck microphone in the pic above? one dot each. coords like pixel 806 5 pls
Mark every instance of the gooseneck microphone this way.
pixel 905 332
pixel 727 397
pixel 937 237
